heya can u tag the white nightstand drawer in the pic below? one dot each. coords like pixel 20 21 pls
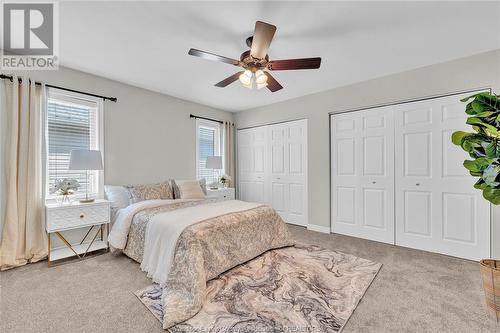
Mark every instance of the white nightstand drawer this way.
pixel 221 194
pixel 76 216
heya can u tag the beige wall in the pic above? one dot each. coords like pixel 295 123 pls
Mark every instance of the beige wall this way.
pixel 464 74
pixel 148 136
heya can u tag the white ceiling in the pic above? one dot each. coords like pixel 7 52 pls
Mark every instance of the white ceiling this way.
pixel 146 43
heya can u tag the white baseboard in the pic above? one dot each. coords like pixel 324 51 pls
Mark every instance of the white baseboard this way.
pixel 318 228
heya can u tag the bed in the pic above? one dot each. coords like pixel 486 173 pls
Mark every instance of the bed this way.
pixel 183 243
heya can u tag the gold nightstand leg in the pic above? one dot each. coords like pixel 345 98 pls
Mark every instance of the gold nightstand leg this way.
pixel 48 253
pixel 88 232
pixel 67 243
pixel 93 239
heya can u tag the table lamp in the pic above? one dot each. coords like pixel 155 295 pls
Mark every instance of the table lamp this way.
pixel 214 163
pixel 81 159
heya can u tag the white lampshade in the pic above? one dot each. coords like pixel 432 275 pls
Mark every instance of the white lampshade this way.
pixel 81 159
pixel 214 162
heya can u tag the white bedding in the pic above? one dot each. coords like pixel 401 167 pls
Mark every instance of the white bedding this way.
pixel 121 225
pixel 165 228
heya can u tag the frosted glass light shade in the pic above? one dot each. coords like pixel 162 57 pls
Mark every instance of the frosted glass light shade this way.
pixel 246 77
pixel 260 77
pixel 214 162
pixel 81 159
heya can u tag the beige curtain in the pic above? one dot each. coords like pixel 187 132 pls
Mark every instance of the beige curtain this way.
pixel 229 151
pixel 23 111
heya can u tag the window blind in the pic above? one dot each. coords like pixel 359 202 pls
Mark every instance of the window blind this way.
pixel 206 148
pixel 209 143
pixel 70 126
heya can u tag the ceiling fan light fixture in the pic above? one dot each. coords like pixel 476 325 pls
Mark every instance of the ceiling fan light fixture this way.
pixel 246 78
pixel 260 77
pixel 261 85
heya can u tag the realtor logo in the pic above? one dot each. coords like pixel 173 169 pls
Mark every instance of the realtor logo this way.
pixel 29 38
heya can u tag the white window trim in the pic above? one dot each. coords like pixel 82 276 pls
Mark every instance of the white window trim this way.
pixel 84 99
pixel 219 149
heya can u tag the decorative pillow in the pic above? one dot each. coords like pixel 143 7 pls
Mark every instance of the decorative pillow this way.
pixel 177 195
pixel 118 197
pixel 190 189
pixel 150 191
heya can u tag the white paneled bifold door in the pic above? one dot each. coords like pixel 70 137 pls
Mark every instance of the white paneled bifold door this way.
pixel 272 168
pixel 397 178
pixel 363 174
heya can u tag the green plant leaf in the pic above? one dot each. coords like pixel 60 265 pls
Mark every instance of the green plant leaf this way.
pixel 458 136
pixel 477 165
pixel 480 184
pixel 471 97
pixel 484 114
pixel 483 145
pixel 479 122
pixel 477 106
pixel 492 195
pixel 490 175
pixel 492 150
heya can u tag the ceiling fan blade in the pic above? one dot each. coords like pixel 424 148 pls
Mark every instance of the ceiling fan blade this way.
pixel 289 64
pixel 212 56
pixel 227 81
pixel 272 84
pixel 262 37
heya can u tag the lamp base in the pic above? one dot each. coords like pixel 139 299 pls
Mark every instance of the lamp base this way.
pixel 87 200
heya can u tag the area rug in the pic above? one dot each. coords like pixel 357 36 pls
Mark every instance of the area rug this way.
pixel 295 289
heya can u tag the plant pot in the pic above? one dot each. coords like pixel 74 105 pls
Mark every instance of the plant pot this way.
pixel 490 272
pixel 64 199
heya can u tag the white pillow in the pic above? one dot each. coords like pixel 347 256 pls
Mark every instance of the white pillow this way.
pixel 118 196
pixel 175 188
pixel 190 189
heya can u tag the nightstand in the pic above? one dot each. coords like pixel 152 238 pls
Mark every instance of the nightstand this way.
pixel 221 194
pixel 59 218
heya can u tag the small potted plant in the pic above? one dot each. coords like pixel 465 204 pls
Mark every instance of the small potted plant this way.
pixel 64 188
pixel 224 180
pixel 483 146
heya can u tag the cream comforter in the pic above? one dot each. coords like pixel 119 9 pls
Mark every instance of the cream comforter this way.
pixel 189 245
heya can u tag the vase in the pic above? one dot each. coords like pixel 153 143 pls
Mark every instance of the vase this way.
pixel 64 199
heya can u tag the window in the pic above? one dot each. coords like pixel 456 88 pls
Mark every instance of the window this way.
pixel 208 143
pixel 74 121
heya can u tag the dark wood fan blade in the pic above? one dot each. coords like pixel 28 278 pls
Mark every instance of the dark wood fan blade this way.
pixel 262 37
pixel 227 81
pixel 212 56
pixel 289 64
pixel 272 84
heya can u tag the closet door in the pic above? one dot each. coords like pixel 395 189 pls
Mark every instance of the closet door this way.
pixel 437 208
pixel 277 166
pixel 252 145
pixel 288 170
pixel 362 174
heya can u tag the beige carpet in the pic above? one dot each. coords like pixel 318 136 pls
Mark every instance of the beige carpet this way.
pixel 414 292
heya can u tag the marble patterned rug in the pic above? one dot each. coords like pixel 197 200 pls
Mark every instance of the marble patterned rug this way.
pixel 295 289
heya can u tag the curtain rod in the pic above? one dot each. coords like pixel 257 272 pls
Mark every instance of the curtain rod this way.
pixel 112 99
pixel 199 117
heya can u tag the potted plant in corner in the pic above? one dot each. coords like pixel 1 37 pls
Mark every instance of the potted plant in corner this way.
pixel 483 146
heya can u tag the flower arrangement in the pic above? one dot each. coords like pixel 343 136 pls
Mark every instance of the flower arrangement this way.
pixel 64 187
pixel 224 180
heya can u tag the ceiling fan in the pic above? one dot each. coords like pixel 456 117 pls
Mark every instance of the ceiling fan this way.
pixel 256 63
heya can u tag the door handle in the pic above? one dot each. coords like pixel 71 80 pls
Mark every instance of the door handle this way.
pixel 417 184
pixel 278 178
pixel 374 182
